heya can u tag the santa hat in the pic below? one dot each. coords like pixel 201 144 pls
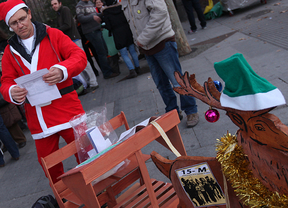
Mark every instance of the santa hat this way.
pixel 9 8
pixel 244 89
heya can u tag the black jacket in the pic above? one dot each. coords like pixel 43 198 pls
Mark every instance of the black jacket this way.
pixel 3 44
pixel 66 24
pixel 115 22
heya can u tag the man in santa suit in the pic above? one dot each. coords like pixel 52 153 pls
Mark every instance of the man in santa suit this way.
pixel 36 46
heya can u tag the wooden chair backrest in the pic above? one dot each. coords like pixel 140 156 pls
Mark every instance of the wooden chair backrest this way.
pixel 59 188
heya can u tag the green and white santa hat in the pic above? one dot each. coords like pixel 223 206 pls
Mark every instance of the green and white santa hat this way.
pixel 244 89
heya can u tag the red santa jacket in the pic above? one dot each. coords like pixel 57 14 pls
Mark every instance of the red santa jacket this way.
pixel 47 120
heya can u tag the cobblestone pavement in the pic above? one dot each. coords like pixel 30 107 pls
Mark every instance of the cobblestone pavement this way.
pixel 265 22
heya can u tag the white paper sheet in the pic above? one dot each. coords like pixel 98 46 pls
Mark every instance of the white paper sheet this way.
pixel 39 92
pixel 97 140
pixel 126 134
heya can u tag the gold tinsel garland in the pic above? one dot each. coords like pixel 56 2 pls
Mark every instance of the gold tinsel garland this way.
pixel 235 168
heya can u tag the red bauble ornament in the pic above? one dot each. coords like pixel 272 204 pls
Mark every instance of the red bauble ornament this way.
pixel 212 115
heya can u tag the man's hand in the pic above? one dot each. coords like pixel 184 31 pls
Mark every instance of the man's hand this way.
pixel 97 19
pixel 18 94
pixel 54 76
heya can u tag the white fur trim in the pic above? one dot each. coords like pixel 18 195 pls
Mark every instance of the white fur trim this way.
pixel 13 11
pixel 254 102
pixel 51 130
pixel 34 60
pixel 40 118
pixel 25 62
pixel 33 66
pixel 64 69
pixel 11 96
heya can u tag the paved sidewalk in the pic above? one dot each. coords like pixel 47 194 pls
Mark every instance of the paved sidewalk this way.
pixel 259 32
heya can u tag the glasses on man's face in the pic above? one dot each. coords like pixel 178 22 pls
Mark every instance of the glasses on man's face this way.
pixel 19 21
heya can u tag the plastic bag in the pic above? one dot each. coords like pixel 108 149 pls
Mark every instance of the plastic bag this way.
pixel 84 125
pixel 88 128
pixel 209 7
pixel 215 12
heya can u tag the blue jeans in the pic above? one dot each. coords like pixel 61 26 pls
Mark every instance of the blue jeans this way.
pixel 162 67
pixel 98 42
pixel 189 5
pixel 127 60
pixel 8 141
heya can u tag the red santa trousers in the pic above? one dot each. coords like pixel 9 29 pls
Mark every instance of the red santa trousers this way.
pixel 50 144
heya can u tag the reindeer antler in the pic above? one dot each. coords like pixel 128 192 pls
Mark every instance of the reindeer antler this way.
pixel 189 86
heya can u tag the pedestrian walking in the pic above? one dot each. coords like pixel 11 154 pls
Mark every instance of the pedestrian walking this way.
pixel 151 28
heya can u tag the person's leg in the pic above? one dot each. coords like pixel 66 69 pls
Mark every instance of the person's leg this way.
pixel 86 45
pixel 189 10
pixel 134 55
pixel 17 134
pixel 90 46
pixel 89 58
pixel 68 136
pixel 114 63
pixel 8 141
pixel 162 84
pixel 98 43
pixel 168 60
pixel 200 15
pixel 46 146
pixel 93 80
pixel 127 60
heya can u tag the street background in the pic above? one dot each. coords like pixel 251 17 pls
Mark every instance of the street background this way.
pixel 259 32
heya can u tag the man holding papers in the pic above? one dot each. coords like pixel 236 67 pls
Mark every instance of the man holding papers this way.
pixel 36 46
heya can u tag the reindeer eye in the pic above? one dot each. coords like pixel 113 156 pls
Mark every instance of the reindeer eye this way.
pixel 259 127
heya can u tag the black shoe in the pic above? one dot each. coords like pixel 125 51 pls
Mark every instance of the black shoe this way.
pixel 192 31
pixel 15 158
pixel 112 75
pixel 84 92
pixel 21 145
pixel 90 89
pixel 138 70
pixel 132 74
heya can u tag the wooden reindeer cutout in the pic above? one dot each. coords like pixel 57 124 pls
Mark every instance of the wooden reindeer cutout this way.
pixel 261 134
pixel 255 160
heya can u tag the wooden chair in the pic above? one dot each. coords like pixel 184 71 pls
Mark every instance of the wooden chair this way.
pixel 67 199
pixel 148 192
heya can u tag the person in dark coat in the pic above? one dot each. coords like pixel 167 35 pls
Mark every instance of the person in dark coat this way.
pixel 116 23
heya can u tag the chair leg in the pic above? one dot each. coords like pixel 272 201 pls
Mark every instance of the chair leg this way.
pixel 112 198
